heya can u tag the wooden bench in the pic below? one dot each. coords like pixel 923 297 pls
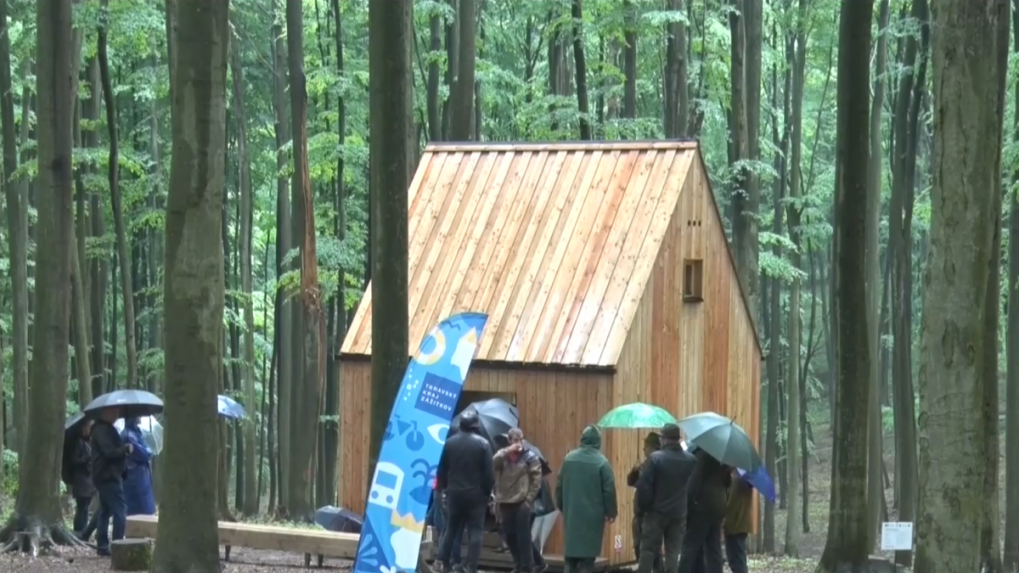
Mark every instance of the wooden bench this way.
pixel 273 538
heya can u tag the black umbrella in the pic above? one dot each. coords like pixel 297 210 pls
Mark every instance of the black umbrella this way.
pixel 74 421
pixel 545 468
pixel 136 403
pixel 496 416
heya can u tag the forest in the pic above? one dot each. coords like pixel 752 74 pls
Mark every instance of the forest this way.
pixel 196 195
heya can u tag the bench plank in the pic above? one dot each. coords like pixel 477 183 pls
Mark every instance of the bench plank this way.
pixel 272 538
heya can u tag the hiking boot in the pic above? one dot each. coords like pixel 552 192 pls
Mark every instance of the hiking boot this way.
pixel 540 568
pixel 459 568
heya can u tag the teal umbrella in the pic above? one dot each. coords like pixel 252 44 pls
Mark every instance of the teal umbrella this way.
pixel 637 415
pixel 723 439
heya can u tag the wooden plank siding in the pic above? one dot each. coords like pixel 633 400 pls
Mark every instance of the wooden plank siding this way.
pixel 555 406
pixel 555 243
pixel 577 252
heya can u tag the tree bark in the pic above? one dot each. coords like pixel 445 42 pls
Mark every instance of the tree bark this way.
pixel 1011 554
pixel 875 440
pixel 193 288
pixel 250 506
pixel 900 247
pixel 846 545
pixel 389 48
pixel 435 50
pixel 307 397
pixel 580 69
pixel 676 97
pixel 462 90
pixel 630 36
pixel 283 244
pixel 16 194
pixel 967 161
pixel 796 55
pixel 117 204
pixel 38 505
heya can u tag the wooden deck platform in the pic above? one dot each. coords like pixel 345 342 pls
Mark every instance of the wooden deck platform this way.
pixel 493 558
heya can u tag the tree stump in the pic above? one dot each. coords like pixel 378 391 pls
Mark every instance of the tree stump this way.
pixel 131 554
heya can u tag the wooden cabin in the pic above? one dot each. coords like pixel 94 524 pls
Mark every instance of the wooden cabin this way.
pixel 608 279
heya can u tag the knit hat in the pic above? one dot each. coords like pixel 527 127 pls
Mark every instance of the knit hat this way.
pixel 653 439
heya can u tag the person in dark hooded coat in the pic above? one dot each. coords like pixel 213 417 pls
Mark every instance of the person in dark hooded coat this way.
pixel 586 495
pixel 138 479
pixel 78 478
pixel 707 495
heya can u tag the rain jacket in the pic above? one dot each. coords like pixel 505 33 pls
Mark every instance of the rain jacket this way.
pixel 517 478
pixel 109 454
pixel 138 481
pixel 708 487
pixel 586 495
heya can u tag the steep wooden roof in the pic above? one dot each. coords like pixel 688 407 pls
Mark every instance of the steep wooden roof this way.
pixel 556 242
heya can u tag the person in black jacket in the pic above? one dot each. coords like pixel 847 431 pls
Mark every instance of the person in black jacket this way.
pixel 661 501
pixel 109 462
pixel 652 443
pixel 708 490
pixel 466 475
pixel 78 461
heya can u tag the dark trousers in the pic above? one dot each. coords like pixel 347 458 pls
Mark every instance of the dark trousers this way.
pixel 578 565
pixel 636 530
pixel 81 513
pixel 466 515
pixel 516 525
pixel 656 530
pixel 702 545
pixel 736 552
pixel 93 524
pixel 112 506
pixel 439 513
pixel 536 557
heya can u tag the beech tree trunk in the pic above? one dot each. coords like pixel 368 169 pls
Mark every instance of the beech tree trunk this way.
pixel 193 288
pixel 38 505
pixel 308 388
pixel 16 194
pixel 389 49
pixel 964 207
pixel 1011 553
pixel 117 205
pixel 462 89
pixel 580 68
pixel 250 506
pixel 846 545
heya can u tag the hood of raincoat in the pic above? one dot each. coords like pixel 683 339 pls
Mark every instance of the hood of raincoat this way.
pixel 591 437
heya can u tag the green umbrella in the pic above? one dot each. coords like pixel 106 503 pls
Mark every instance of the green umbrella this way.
pixel 636 416
pixel 723 439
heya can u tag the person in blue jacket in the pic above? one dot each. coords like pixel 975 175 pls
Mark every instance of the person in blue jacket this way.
pixel 138 479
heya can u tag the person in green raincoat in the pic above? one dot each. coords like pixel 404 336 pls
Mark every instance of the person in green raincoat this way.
pixel 586 496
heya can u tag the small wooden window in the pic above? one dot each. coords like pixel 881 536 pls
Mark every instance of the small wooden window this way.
pixel 693 280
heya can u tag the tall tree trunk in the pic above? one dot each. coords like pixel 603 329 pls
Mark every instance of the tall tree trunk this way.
pixel 435 49
pixel 875 441
pixel 451 34
pixel 462 90
pixel 117 203
pixel 990 543
pixel 38 506
pixel 307 398
pixel 389 48
pixel 16 194
pixel 98 267
pixel 964 207
pixel 796 54
pixel 677 100
pixel 79 321
pixel 193 288
pixel 1011 556
pixel 900 229
pixel 846 545
pixel 745 200
pixel 283 244
pixel 630 36
pixel 580 68
pixel 250 506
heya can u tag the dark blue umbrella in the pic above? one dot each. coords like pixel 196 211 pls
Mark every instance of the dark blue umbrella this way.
pixel 230 408
pixel 339 519
pixel 135 403
pixel 761 481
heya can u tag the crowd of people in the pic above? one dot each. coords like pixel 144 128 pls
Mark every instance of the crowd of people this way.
pixel 116 466
pixel 685 503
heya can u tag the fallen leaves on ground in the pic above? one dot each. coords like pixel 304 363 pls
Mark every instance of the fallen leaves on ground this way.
pixel 764 564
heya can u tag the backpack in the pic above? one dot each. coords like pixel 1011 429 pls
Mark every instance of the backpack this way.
pixel 67 462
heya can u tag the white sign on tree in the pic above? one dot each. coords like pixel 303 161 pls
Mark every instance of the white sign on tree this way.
pixel 897 536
